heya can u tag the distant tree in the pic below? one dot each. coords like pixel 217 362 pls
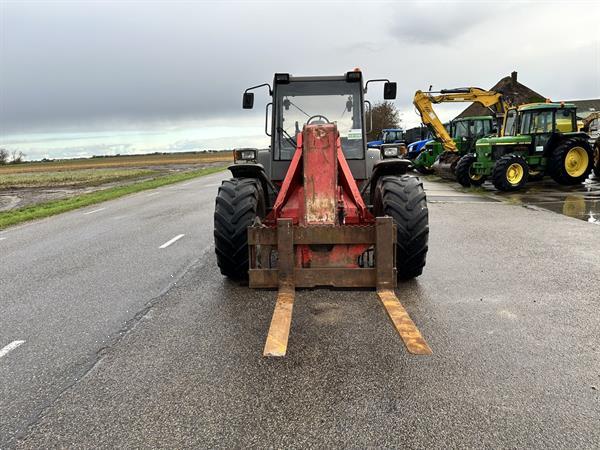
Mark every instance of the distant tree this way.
pixel 17 157
pixel 385 115
pixel 3 156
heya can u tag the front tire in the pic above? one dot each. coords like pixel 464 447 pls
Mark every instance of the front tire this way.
pixel 510 173
pixel 464 171
pixel 403 198
pixel 571 161
pixel 239 201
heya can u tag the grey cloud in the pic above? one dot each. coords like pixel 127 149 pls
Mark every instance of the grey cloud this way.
pixel 441 23
pixel 86 64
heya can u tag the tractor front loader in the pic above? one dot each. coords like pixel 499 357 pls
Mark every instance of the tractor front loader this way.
pixel 320 209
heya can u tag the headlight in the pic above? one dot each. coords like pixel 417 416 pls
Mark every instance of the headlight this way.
pixel 390 152
pixel 245 154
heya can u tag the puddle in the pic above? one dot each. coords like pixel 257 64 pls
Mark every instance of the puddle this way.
pixel 581 201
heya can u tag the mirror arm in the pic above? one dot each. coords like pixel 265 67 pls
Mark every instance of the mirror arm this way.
pixel 374 81
pixel 267 118
pixel 258 86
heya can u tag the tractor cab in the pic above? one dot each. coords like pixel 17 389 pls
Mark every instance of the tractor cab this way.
pixel 465 131
pixel 388 136
pixel 298 102
pixel 542 122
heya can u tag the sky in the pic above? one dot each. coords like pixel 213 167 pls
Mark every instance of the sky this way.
pixel 79 78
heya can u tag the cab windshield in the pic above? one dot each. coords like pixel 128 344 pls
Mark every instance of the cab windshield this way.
pixel 392 136
pixel 320 101
pixel 460 129
pixel 510 127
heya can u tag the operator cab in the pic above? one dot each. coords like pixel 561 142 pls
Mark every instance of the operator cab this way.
pixel 541 121
pixel 300 101
pixel 306 101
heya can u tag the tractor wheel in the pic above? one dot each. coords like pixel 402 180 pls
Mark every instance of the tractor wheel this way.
pixel 464 174
pixel 239 202
pixel 597 158
pixel 403 199
pixel 510 173
pixel 571 161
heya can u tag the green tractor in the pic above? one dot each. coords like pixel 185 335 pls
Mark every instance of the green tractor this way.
pixel 464 132
pixel 538 139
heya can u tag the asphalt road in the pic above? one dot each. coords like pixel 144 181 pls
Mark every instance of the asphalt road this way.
pixel 72 284
pixel 129 345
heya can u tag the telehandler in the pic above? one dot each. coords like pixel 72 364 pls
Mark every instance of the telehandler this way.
pixel 539 138
pixel 319 208
pixel 442 154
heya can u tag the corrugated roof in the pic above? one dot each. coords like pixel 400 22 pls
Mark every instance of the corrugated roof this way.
pixel 586 107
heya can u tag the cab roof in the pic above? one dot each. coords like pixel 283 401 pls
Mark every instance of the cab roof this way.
pixel 462 119
pixel 553 105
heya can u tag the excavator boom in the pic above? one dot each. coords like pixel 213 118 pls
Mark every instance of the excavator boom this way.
pixel 424 102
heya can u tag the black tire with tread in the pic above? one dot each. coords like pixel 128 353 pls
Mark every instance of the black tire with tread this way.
pixel 463 171
pixel 403 198
pixel 499 173
pixel 239 201
pixel 556 161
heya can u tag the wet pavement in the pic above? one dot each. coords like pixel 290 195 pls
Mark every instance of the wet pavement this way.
pixel 581 201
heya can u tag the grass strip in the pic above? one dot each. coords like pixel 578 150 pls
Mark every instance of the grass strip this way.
pixel 51 208
pixel 87 177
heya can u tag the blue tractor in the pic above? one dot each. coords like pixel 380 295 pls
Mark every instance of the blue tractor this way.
pixel 414 148
pixel 388 136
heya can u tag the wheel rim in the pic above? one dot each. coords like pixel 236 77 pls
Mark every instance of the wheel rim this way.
pixel 514 173
pixel 576 162
pixel 474 176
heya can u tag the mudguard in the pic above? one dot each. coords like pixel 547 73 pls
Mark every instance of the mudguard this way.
pixel 257 171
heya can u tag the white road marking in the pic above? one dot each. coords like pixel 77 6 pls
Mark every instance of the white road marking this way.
pixel 1 238
pixel 10 347
pixel 152 193
pixel 94 211
pixel 187 184
pixel 211 185
pixel 175 239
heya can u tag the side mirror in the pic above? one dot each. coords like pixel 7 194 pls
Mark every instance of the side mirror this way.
pixel 248 100
pixel 389 90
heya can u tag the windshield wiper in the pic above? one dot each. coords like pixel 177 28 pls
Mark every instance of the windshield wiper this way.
pixel 290 139
pixel 298 108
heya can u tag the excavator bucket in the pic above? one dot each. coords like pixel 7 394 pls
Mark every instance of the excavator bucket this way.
pixel 321 233
pixel 445 165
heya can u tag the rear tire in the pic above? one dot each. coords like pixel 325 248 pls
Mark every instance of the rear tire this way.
pixel 571 161
pixel 403 198
pixel 239 201
pixel 464 173
pixel 510 173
